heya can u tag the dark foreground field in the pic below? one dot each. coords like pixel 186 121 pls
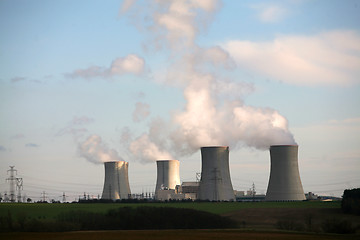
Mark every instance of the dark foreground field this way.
pixel 43 210
pixel 173 235
pixel 254 220
pixel 296 219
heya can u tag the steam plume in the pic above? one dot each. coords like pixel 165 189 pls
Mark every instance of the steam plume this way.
pixel 146 150
pixel 95 150
pixel 214 113
pixel 142 111
pixel 130 64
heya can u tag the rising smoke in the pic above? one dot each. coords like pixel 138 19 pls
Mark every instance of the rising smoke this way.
pixel 215 113
pixel 89 146
pixel 96 151
pixel 130 64
pixel 141 112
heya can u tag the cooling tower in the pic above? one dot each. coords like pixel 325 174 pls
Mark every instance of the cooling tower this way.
pixel 215 183
pixel 284 181
pixel 116 185
pixel 168 175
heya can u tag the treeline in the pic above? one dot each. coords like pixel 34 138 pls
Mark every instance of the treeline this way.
pixel 130 200
pixel 351 201
pixel 135 200
pixel 125 218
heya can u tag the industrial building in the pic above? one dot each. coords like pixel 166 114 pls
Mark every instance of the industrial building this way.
pixel 284 181
pixel 116 184
pixel 215 182
pixel 190 190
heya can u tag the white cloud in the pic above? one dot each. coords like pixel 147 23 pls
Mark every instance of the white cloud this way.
pixel 126 5
pixel 270 13
pixel 90 72
pixel 141 112
pixel 82 120
pixel 175 23
pixel 329 58
pixel 96 151
pixel 129 64
pixel 214 113
pixel 132 64
pixel 144 149
pixel 74 127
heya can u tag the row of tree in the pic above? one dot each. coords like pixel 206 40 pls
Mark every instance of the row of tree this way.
pixel 351 201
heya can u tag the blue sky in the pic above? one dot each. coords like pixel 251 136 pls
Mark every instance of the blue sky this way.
pixel 137 81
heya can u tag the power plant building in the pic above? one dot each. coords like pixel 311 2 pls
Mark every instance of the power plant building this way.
pixel 190 190
pixel 215 183
pixel 284 181
pixel 116 184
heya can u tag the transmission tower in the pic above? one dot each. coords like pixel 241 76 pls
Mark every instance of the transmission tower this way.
pixel 217 180
pixel 43 196
pixel 253 190
pixel 19 186
pixel 63 197
pixel 12 181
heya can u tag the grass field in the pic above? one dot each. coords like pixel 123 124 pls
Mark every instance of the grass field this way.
pixel 256 220
pixel 42 210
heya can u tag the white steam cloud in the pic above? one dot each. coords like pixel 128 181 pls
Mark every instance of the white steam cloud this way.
pixel 146 150
pixel 130 64
pixel 141 112
pixel 96 151
pixel 214 113
pixel 90 147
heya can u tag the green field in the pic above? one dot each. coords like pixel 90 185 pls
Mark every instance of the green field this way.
pixel 43 210
pixel 255 220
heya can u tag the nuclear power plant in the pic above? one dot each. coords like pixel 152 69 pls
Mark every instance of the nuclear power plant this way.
pixel 212 184
pixel 215 182
pixel 284 182
pixel 116 184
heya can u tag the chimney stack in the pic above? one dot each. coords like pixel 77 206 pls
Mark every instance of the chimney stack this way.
pixel 168 175
pixel 284 182
pixel 116 184
pixel 215 183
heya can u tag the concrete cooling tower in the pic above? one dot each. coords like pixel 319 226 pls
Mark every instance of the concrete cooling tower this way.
pixel 284 181
pixel 168 175
pixel 215 183
pixel 116 185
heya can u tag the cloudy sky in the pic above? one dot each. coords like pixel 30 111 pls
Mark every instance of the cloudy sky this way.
pixel 83 82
